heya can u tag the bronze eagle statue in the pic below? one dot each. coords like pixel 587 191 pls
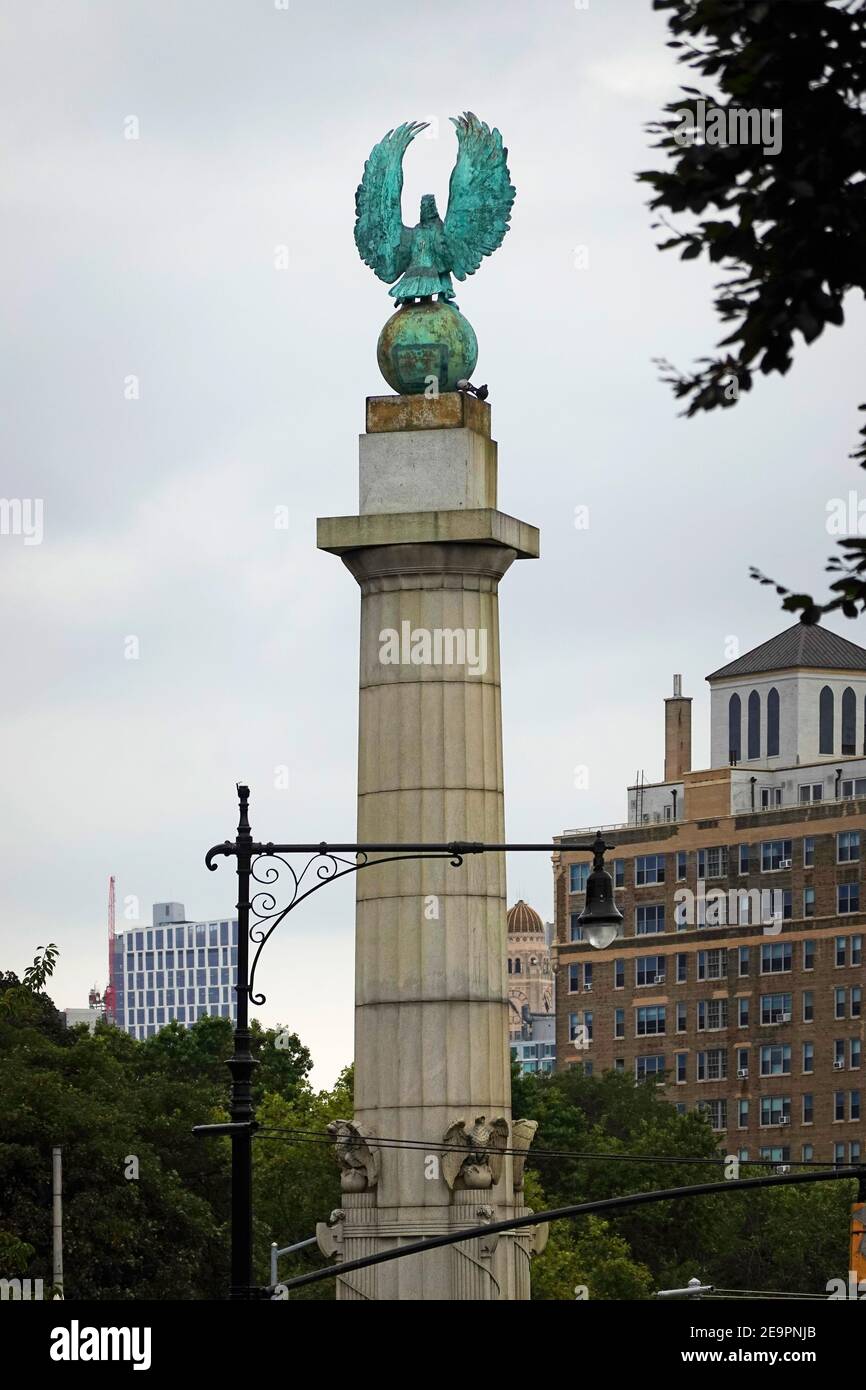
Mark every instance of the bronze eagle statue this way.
pixel 423 258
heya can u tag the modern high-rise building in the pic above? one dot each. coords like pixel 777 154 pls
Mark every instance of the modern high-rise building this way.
pixel 738 983
pixel 174 970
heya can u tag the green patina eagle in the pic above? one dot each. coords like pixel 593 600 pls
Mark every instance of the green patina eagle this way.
pixel 423 258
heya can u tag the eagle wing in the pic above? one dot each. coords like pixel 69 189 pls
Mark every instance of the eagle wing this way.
pixel 480 195
pixel 497 1145
pixel 382 240
pixel 452 1158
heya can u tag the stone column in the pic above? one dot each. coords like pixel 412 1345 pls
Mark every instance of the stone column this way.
pixel 431 1035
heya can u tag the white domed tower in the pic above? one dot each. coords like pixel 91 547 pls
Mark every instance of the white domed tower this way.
pixel 530 972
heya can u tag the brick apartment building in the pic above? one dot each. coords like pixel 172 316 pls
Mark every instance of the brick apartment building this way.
pixel 738 982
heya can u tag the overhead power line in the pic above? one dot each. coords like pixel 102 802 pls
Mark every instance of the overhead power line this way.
pixel 312 1136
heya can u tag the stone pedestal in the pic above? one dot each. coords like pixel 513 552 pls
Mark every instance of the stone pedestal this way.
pixel 431 1036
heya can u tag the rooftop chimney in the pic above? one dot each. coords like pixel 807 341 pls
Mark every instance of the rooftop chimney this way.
pixel 678 733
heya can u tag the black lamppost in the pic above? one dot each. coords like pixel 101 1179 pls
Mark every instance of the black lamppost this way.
pixel 258 917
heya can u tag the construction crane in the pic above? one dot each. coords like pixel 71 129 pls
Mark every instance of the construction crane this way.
pixel 110 1001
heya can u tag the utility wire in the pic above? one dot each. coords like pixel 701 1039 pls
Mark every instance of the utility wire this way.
pixel 305 1136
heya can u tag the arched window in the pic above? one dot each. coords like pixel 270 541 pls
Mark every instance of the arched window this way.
pixel 734 727
pixel 849 721
pixel 754 725
pixel 773 723
pixel 825 721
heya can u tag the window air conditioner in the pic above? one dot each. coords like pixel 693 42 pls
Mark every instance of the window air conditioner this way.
pixel 785 1120
pixel 783 1168
pixel 784 863
pixel 660 979
pixel 587 989
pixel 839 1065
pixel 784 1018
pixel 742 1073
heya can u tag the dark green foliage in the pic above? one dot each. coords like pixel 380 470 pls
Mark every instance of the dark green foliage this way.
pixel 787 227
pixel 789 1239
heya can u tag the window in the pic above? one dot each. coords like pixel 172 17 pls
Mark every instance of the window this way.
pixel 619 873
pixel 649 919
pixel 619 974
pixel 808 851
pixel 682 1062
pixel 808 1006
pixel 576 930
pixel 573 980
pixel 808 1153
pixel 649 970
pixel 619 1064
pixel 743 1113
pixel 742 1059
pixel 849 722
pixel 770 797
pixel 742 1013
pixel 839 1003
pixel 775 854
pixel 808 910
pixel 619 1023
pixel 775 1008
pixel 776 958
pixel 808 955
pixel 754 727
pixel 577 876
pixel 713 863
pixel 856 993
pixel 587 975
pixel 812 791
pixel 856 950
pixel 518 966
pixel 712 1015
pixel 735 724
pixel 838 1105
pixel 776 1060
pixel 854 786
pixel 773 723
pixel 681 1018
pixel 713 1065
pixel 682 967
pixel 808 1108
pixel 841 951
pixel 854 1105
pixel 787 904
pixel 649 868
pixel 713 965
pixel 776 1154
pixel 743 961
pixel 717 1111
pixel 808 1057
pixel 651 1066
pixel 847 898
pixel 848 847
pixel 825 721
pixel 681 915
pixel 775 1110
pixel 854 1046
pixel 838 1154
pixel 650 1020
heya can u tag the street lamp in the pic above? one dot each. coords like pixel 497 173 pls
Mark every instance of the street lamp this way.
pixel 601 920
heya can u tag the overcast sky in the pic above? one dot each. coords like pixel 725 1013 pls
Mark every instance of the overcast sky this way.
pixel 156 258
